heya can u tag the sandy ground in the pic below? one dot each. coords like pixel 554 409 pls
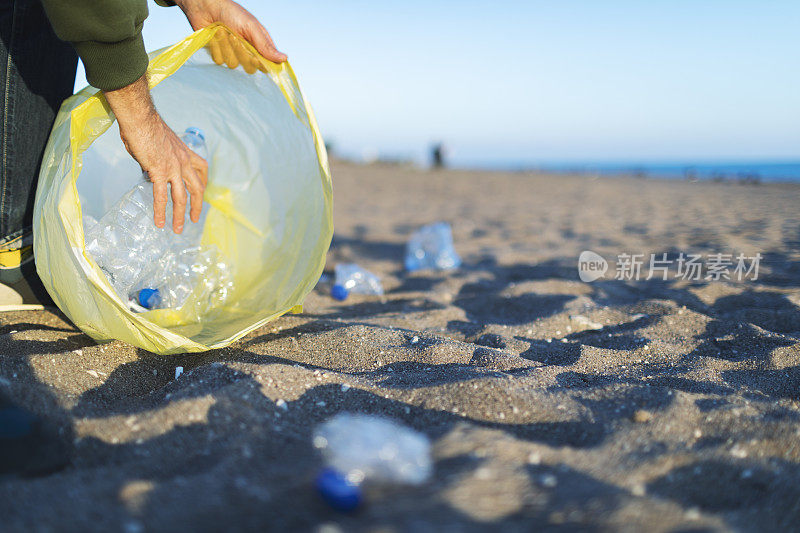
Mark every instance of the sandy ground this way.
pixel 679 413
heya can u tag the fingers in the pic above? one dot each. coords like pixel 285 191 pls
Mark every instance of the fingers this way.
pixel 228 49
pixel 245 57
pixel 178 191
pixel 188 180
pixel 160 203
pixel 228 53
pixel 200 166
pixel 215 48
pixel 195 188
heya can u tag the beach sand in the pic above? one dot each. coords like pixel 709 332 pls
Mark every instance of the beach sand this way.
pixel 550 402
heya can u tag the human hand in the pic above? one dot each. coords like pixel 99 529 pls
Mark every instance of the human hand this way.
pixel 202 13
pixel 169 163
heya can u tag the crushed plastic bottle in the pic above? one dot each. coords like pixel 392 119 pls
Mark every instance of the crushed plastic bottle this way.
pixel 431 247
pixel 375 449
pixel 177 274
pixel 151 267
pixel 351 278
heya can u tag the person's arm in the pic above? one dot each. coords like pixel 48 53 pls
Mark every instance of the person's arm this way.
pixel 107 35
pixel 161 153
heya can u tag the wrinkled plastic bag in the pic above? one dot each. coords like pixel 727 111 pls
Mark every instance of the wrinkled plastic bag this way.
pixel 269 196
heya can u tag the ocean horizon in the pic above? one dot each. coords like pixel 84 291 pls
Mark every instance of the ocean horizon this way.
pixel 754 171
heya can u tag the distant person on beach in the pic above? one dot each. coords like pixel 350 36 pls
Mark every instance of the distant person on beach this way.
pixel 437 155
pixel 41 43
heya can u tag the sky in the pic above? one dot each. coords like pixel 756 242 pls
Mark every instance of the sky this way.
pixel 540 81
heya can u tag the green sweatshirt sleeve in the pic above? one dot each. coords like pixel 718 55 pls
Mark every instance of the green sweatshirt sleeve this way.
pixel 107 34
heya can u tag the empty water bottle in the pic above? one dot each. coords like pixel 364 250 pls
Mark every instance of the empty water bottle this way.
pixel 372 448
pixel 177 274
pixel 431 247
pixel 351 278
pixel 153 267
pixel 195 139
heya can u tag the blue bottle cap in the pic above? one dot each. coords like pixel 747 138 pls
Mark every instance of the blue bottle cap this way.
pixel 339 292
pixel 337 491
pixel 149 298
pixel 196 131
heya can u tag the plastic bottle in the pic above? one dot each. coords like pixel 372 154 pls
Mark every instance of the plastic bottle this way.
pixel 154 267
pixel 431 247
pixel 177 274
pixel 351 278
pixel 372 448
pixel 195 139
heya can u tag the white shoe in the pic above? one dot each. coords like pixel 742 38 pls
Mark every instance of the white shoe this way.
pixel 16 292
pixel 18 297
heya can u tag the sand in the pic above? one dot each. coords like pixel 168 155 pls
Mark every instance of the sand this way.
pixel 551 403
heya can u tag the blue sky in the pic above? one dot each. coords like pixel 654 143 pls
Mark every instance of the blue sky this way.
pixel 542 81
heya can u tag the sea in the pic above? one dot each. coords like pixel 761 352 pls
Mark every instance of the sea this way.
pixel 752 172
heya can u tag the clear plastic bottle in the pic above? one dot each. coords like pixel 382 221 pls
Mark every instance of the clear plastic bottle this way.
pixel 372 448
pixel 351 278
pixel 153 267
pixel 431 247
pixel 195 139
pixel 179 273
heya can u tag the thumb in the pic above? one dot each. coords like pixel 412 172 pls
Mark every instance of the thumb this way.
pixel 261 40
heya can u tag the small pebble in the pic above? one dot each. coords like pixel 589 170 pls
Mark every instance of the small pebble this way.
pixel 738 452
pixel 483 473
pixel 549 480
pixel 641 416
pixel 178 371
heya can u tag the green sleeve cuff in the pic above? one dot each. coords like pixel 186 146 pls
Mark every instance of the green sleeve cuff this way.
pixel 111 66
pixel 165 3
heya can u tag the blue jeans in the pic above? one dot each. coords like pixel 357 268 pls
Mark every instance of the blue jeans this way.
pixel 37 72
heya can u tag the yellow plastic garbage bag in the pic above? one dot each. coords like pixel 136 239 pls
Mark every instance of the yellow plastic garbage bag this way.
pixel 269 194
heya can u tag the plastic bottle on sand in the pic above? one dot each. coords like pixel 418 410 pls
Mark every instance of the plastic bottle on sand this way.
pixel 431 247
pixel 364 448
pixel 351 278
